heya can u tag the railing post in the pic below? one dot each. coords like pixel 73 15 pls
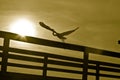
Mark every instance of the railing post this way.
pixel 5 55
pixel 85 65
pixel 45 68
pixel 97 71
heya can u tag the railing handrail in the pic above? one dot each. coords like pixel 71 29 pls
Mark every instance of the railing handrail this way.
pixel 51 43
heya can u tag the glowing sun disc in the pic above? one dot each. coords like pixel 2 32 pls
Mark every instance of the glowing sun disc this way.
pixel 23 27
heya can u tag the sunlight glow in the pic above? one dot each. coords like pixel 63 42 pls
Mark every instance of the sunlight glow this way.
pixel 23 27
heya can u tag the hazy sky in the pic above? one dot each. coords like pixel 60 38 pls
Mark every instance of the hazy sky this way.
pixel 98 20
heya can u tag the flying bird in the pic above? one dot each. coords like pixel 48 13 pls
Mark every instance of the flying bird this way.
pixel 59 35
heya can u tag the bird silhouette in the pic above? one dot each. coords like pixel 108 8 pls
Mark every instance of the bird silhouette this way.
pixel 59 35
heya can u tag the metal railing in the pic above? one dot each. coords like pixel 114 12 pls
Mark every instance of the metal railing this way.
pixel 84 63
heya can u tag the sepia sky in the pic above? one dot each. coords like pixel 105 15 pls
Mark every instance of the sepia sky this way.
pixel 98 20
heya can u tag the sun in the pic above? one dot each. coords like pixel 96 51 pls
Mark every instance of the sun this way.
pixel 23 27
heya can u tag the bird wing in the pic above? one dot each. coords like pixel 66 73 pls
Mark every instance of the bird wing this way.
pixel 45 26
pixel 68 32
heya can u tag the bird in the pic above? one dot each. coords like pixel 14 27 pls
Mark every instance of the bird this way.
pixel 62 35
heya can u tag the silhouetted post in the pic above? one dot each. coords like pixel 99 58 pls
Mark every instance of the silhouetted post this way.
pixel 85 65
pixel 118 41
pixel 45 68
pixel 5 55
pixel 97 71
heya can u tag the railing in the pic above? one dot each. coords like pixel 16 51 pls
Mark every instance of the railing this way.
pixel 54 59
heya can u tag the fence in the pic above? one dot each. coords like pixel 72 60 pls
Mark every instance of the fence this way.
pixel 85 64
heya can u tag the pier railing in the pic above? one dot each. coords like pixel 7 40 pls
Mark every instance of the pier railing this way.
pixel 110 69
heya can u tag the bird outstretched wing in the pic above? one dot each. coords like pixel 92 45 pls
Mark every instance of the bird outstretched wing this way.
pixel 68 32
pixel 45 26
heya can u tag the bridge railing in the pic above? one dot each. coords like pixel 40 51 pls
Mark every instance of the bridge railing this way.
pixel 8 52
